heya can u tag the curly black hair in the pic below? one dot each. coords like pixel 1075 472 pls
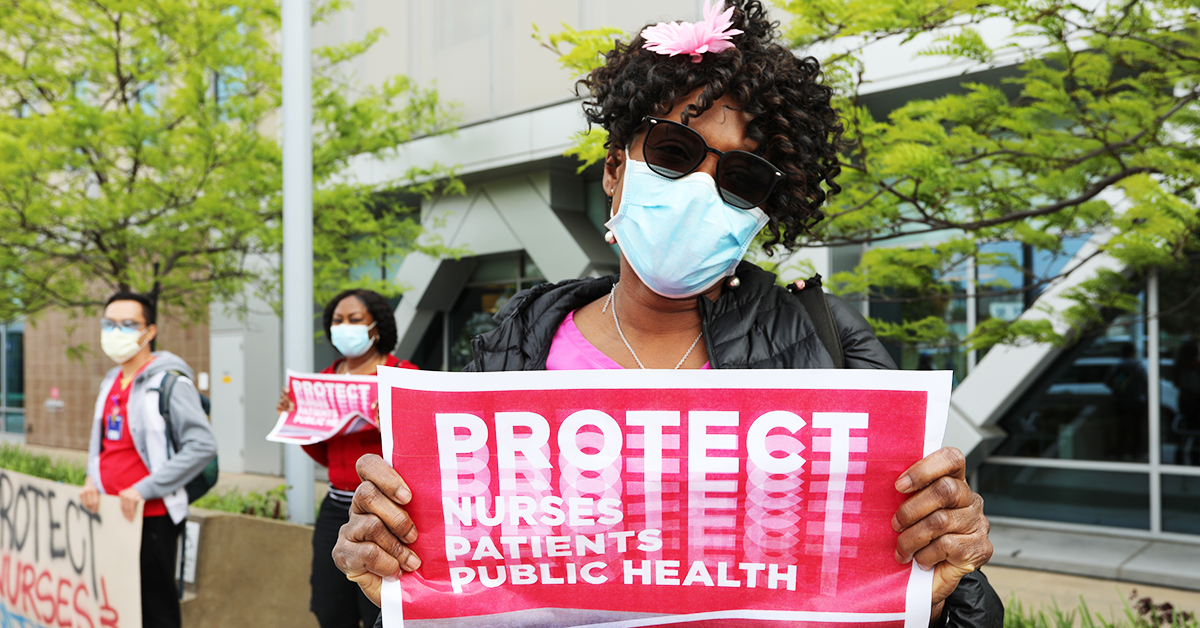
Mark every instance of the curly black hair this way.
pixel 793 123
pixel 377 306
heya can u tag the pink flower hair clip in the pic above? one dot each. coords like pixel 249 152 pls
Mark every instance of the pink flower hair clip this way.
pixel 710 35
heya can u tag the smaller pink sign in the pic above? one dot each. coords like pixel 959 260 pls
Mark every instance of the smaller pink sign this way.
pixel 325 406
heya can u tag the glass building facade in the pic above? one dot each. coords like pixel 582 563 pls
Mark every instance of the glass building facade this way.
pixel 1109 434
pixel 446 345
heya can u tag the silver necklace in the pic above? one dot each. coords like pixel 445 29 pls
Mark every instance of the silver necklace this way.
pixel 609 301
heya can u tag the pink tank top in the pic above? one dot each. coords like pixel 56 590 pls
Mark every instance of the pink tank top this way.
pixel 570 351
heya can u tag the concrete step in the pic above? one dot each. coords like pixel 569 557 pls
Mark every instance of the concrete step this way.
pixel 1154 562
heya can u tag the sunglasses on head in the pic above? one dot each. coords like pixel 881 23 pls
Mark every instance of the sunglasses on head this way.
pixel 673 150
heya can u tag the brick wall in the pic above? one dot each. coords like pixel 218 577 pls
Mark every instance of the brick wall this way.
pixel 47 365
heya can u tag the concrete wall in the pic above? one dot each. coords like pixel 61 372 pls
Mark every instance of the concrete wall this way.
pixel 48 365
pixel 480 53
pixel 247 375
pixel 250 572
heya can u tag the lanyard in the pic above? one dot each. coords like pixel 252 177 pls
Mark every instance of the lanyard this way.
pixel 114 422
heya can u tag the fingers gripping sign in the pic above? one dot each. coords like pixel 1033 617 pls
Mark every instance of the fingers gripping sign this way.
pixel 941 524
pixel 90 496
pixel 374 544
pixel 130 500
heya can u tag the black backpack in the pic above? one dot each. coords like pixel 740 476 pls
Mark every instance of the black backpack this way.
pixel 812 298
pixel 199 485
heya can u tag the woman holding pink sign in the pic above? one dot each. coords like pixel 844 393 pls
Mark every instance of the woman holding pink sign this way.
pixel 716 132
pixel 361 326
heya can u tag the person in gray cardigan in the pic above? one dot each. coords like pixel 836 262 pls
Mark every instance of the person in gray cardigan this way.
pixel 129 455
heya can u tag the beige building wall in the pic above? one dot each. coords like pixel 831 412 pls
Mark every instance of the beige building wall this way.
pixel 48 365
pixel 481 53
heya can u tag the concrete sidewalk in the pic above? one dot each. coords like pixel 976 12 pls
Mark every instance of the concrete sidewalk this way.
pixel 1120 558
pixel 1042 590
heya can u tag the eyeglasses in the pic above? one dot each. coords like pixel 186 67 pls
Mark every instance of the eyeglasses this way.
pixel 744 180
pixel 127 326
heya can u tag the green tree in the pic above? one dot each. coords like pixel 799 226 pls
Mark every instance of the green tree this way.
pixel 1094 132
pixel 139 150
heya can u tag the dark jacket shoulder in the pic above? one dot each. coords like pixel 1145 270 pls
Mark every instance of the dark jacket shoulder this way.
pixel 859 343
pixel 758 325
pixel 528 322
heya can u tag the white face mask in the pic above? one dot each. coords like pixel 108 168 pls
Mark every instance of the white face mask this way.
pixel 351 340
pixel 119 345
pixel 678 235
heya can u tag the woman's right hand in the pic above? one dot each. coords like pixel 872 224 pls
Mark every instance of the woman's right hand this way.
pixel 285 403
pixel 374 544
pixel 90 497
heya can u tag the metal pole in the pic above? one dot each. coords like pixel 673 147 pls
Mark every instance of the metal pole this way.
pixel 1154 401
pixel 297 233
pixel 972 310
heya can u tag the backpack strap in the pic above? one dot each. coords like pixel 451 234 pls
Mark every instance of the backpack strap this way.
pixel 812 298
pixel 164 406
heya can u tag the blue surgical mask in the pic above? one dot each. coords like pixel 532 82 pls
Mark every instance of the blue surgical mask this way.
pixel 678 235
pixel 351 340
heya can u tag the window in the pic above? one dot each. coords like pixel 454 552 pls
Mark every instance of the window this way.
pixel 1089 405
pixel 974 294
pixel 496 278
pixel 1110 434
pixel 1181 504
pixel 1179 390
pixel 1179 338
pixel 12 378
pixel 1068 495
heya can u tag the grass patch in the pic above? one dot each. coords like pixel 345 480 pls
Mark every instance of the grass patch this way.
pixel 15 458
pixel 271 505
pixel 1140 612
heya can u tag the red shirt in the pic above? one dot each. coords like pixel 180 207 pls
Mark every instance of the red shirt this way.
pixel 120 464
pixel 340 453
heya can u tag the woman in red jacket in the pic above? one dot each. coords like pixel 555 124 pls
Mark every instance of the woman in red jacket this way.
pixel 362 327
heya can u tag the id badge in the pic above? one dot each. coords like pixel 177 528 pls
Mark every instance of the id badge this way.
pixel 113 429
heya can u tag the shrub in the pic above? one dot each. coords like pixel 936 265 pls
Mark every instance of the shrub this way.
pixel 1140 612
pixel 272 504
pixel 16 458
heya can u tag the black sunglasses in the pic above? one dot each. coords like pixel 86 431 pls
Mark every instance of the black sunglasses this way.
pixel 744 180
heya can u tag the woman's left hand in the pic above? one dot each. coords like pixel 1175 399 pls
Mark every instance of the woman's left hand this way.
pixel 941 524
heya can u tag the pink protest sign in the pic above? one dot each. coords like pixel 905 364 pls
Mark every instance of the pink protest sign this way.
pixel 619 498
pixel 326 405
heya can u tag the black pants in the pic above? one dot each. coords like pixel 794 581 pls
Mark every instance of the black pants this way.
pixel 336 601
pixel 160 597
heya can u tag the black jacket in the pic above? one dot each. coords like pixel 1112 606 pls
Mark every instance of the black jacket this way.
pixel 758 325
